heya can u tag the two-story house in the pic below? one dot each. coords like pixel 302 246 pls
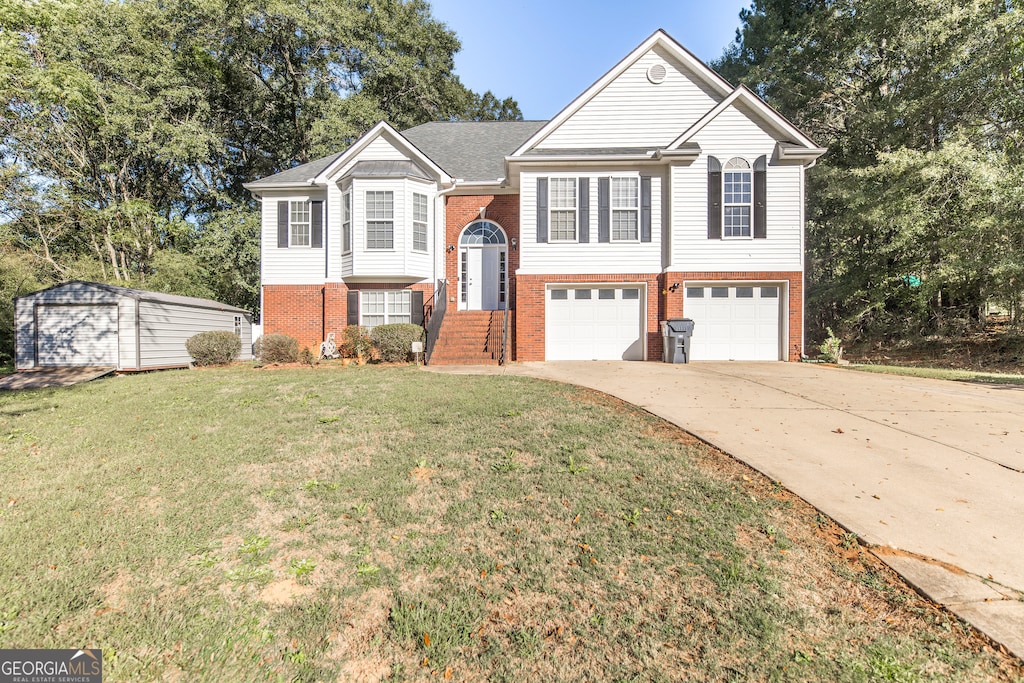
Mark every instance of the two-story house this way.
pixel 662 191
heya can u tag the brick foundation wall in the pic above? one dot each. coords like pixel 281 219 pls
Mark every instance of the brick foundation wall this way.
pixel 310 312
pixel 673 305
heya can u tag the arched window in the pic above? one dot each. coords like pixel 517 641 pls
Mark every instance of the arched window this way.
pixel 482 233
pixel 737 195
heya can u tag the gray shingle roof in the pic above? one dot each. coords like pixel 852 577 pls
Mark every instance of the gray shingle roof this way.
pixel 140 294
pixel 297 175
pixel 471 150
pixel 387 168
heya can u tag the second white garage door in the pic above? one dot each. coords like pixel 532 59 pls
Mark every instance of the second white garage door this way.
pixel 594 323
pixel 734 322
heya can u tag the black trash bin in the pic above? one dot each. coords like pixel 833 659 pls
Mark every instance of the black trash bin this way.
pixel 676 333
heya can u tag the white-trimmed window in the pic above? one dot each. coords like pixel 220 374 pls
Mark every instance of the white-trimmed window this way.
pixel 562 210
pixel 419 221
pixel 625 209
pixel 298 224
pixel 384 307
pixel 380 219
pixel 737 198
pixel 346 223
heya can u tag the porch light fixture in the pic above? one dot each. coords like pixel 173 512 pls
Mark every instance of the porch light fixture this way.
pixel 674 287
pixel 515 243
pixel 451 248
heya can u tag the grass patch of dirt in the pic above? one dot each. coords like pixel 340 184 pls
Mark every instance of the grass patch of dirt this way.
pixel 212 525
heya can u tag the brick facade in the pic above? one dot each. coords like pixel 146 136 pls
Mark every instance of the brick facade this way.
pixel 460 211
pixel 310 312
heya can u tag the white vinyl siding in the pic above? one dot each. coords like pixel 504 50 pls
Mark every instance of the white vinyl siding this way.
pixel 625 207
pixel 419 221
pixel 733 134
pixel 380 220
pixel 633 112
pixel 289 266
pixel 562 207
pixel 385 307
pixel 379 149
pixel 592 256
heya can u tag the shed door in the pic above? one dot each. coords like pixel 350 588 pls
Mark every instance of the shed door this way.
pixel 734 322
pixel 76 335
pixel 594 323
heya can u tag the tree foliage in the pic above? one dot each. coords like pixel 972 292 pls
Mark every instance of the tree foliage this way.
pixel 914 215
pixel 127 128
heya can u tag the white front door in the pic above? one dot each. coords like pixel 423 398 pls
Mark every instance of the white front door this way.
pixel 484 278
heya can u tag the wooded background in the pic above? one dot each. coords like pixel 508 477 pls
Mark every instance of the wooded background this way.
pixel 128 129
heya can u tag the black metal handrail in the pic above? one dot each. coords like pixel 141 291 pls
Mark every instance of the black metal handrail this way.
pixel 433 317
pixel 504 338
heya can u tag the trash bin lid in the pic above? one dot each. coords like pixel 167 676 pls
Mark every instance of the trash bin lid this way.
pixel 680 325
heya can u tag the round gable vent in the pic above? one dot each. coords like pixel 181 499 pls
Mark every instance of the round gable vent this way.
pixel 656 73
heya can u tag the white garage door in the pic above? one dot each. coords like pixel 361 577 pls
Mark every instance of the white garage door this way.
pixel 734 322
pixel 76 335
pixel 594 323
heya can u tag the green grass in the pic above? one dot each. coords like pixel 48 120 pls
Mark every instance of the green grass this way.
pixel 213 525
pixel 941 373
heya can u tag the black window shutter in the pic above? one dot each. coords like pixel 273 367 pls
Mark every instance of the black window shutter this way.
pixel 542 210
pixel 353 308
pixel 282 224
pixel 761 198
pixel 645 208
pixel 714 199
pixel 584 210
pixel 417 307
pixel 604 212
pixel 316 228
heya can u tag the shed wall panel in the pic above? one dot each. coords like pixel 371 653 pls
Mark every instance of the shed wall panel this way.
pixel 164 329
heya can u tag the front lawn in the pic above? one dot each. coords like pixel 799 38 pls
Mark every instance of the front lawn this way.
pixel 373 523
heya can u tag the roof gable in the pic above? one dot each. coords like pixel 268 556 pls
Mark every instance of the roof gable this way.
pixel 756 109
pixel 686 76
pixel 369 143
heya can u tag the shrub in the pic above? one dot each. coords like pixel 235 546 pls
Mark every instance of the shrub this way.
pixel 395 341
pixel 832 348
pixel 306 356
pixel 357 342
pixel 276 348
pixel 215 347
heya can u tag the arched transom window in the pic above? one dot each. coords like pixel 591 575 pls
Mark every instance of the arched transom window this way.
pixel 482 233
pixel 737 181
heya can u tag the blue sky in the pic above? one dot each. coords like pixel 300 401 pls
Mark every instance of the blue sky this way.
pixel 546 52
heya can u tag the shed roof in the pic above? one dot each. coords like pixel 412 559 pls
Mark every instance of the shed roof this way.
pixel 141 294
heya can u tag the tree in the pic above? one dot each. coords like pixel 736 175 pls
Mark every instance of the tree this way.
pixel 912 215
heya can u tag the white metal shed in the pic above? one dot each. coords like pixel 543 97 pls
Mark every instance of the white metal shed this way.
pixel 93 324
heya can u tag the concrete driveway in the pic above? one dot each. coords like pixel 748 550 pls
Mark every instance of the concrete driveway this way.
pixel 930 472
